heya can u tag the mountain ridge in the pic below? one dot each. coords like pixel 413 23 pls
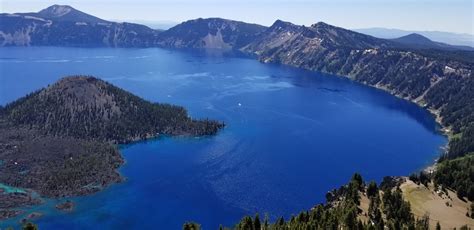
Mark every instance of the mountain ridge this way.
pixel 63 25
pixel 210 33
pixel 418 41
pixel 456 39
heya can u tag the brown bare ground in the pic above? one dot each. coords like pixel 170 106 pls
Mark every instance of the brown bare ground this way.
pixel 364 206
pixel 425 200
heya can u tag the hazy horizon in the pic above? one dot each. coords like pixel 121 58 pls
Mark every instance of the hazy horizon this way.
pixel 436 15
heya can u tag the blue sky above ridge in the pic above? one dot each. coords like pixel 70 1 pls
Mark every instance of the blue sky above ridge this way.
pixel 435 15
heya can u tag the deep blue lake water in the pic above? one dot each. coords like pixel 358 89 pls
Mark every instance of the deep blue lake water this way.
pixel 291 136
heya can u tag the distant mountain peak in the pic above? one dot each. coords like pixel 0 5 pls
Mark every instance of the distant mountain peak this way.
pixel 418 41
pixel 456 39
pixel 281 23
pixel 326 26
pixel 57 10
pixel 417 37
pixel 321 24
pixel 67 13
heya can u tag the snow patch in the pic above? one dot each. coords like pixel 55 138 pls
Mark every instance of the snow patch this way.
pixel 59 11
pixel 103 24
pixel 35 18
pixel 370 51
pixel 448 69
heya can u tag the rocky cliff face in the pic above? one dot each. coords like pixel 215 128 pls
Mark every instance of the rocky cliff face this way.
pixel 65 26
pixel 366 59
pixel 211 33
pixel 283 36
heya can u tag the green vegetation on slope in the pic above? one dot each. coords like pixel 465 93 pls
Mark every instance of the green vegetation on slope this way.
pixel 387 209
pixel 89 108
pixel 454 97
pixel 457 174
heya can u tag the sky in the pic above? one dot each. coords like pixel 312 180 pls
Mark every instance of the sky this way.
pixel 425 15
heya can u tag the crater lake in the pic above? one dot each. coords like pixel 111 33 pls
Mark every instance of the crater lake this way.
pixel 291 136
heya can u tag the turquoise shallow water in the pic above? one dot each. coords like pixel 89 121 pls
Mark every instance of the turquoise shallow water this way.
pixel 291 136
pixel 9 189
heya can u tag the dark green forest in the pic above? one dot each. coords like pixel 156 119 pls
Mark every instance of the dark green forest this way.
pixel 457 174
pixel 89 108
pixel 454 97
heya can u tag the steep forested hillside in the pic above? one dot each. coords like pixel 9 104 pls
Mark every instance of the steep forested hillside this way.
pixel 457 174
pixel 89 108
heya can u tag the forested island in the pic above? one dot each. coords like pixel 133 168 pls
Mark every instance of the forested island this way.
pixel 62 140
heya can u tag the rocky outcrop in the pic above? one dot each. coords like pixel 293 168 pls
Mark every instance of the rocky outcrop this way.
pixel 66 206
pixel 65 26
pixel 366 59
pixel 211 33
pixel 9 201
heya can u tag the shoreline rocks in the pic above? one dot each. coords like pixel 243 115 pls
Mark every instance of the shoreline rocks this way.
pixel 67 206
pixel 9 213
